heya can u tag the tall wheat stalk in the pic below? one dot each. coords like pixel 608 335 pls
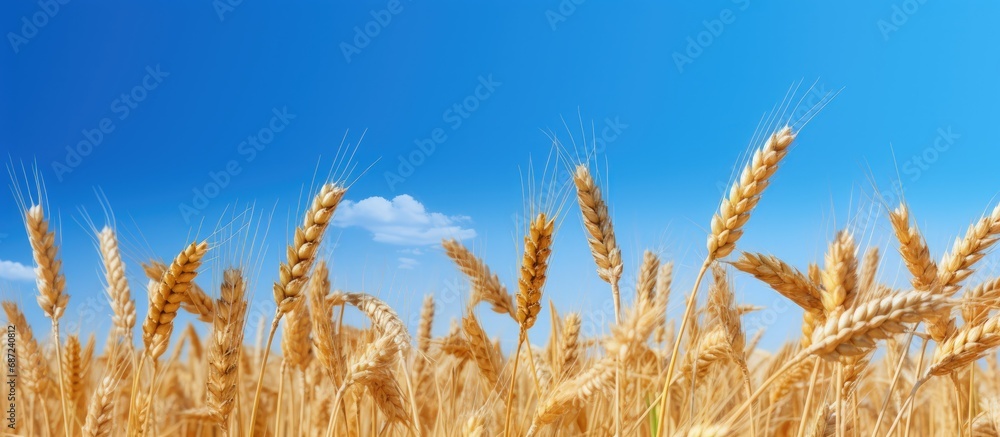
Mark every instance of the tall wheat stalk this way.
pixel 294 273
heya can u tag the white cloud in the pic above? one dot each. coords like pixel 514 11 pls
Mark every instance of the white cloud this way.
pixel 402 221
pixel 408 263
pixel 16 271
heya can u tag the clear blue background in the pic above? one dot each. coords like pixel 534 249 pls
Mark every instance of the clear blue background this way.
pixel 903 70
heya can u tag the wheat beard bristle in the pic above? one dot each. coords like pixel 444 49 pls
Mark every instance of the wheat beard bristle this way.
pixel 855 331
pixel 537 248
pixel 486 286
pixel 735 210
pixel 913 249
pixel 302 253
pixel 166 296
pixel 224 352
pixel 48 272
pixel 597 221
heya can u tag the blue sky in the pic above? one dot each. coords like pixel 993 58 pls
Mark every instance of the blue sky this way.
pixel 159 104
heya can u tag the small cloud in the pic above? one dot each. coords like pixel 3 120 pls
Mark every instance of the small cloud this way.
pixel 408 263
pixel 402 221
pixel 416 251
pixel 16 271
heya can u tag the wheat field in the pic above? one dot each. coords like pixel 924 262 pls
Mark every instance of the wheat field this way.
pixel 874 359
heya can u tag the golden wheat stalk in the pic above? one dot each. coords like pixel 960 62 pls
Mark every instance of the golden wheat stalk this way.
pixel 727 228
pixel 293 274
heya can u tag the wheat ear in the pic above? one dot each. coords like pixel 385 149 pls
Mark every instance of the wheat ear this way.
pixel 600 232
pixel 840 275
pixel 572 394
pixel 485 357
pixel 965 346
pixel 72 371
pixel 571 354
pixel 980 300
pixel 913 249
pixel 122 306
pixel 50 282
pixel 101 412
pixel 956 266
pixel 783 278
pixel 727 228
pixel 855 331
pixel 486 286
pixel 224 351
pixel 423 377
pixel 166 297
pixel 296 344
pixel 534 264
pixel 196 301
pixel 294 272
